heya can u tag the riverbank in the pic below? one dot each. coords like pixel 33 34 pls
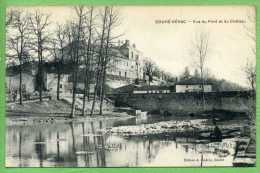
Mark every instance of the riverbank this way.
pixel 54 111
pixel 52 119
pixel 53 108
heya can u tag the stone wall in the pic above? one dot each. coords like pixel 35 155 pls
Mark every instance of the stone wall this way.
pixel 186 102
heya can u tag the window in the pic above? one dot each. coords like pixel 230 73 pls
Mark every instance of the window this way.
pixel 132 55
pixel 120 73
pixel 60 85
pixel 125 74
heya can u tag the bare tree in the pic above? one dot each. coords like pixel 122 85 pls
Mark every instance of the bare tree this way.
pixel 149 66
pixel 88 56
pixel 157 71
pixel 250 71
pixel 250 67
pixel 200 51
pixel 39 23
pixel 169 78
pixel 100 58
pixel 112 22
pixel 77 45
pixel 186 74
pixel 18 43
pixel 58 52
pixel 196 73
pixel 71 36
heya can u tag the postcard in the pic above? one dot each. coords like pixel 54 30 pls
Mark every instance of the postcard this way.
pixel 130 86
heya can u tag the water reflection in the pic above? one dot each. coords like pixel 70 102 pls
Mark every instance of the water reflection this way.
pixel 20 148
pixel 40 148
pixel 83 144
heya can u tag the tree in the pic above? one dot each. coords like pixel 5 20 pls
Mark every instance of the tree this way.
pixel 157 71
pixel 250 67
pixel 200 51
pixel 169 78
pixel 112 22
pixel 149 66
pixel 250 71
pixel 196 74
pixel 18 43
pixel 39 23
pixel 58 44
pixel 186 74
pixel 100 58
pixel 87 58
pixel 77 34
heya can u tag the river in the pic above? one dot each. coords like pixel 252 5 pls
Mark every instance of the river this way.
pixel 84 144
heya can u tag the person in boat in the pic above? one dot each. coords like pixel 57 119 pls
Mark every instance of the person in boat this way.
pixel 216 135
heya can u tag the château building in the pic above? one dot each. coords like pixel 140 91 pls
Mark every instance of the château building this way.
pixel 126 63
pixel 124 67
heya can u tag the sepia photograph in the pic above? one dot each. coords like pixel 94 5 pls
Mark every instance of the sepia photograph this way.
pixel 130 86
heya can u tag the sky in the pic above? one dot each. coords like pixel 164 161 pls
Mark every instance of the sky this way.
pixel 171 45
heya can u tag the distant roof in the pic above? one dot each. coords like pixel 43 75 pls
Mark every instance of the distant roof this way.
pixel 193 81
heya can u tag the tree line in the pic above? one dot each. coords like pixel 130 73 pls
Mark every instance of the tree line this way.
pixel 152 71
pixel 85 40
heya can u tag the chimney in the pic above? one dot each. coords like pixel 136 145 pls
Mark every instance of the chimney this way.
pixel 133 45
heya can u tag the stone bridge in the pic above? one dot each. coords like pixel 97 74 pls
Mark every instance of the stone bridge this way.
pixel 191 102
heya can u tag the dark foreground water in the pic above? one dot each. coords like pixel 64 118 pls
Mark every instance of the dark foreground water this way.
pixel 82 144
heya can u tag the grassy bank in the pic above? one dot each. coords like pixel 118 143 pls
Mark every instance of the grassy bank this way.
pixel 53 107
